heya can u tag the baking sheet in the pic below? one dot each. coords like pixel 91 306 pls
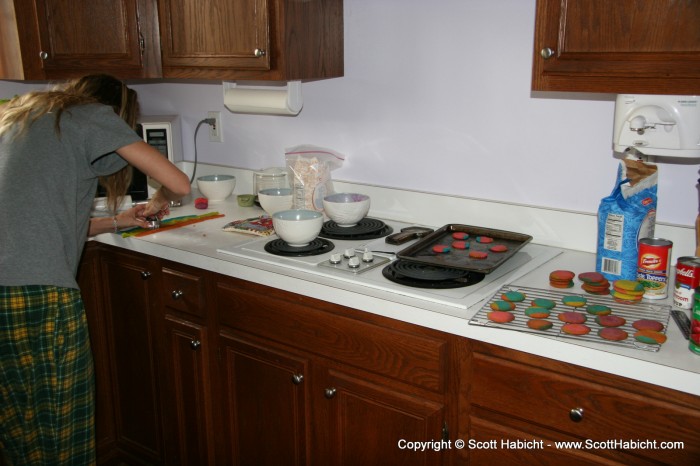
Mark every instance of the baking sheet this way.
pixel 630 312
pixel 422 251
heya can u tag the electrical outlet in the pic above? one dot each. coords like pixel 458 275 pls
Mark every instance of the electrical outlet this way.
pixel 215 130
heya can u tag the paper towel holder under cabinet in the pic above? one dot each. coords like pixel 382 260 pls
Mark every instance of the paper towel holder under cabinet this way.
pixel 263 99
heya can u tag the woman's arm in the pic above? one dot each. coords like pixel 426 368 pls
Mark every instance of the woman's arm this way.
pixel 133 217
pixel 174 183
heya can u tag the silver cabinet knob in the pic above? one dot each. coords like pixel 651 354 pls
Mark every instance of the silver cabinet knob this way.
pixel 547 53
pixel 576 414
pixel 297 379
pixel 195 344
pixel 145 275
pixel 330 393
pixel 177 294
pixel 43 55
pixel 259 53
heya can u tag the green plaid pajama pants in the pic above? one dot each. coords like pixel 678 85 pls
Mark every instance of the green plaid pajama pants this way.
pixel 46 378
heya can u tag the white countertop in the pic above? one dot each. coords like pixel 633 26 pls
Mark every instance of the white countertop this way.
pixel 673 366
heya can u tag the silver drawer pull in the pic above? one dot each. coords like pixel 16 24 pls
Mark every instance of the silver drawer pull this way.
pixel 329 393
pixel 177 294
pixel 576 414
pixel 195 344
pixel 297 379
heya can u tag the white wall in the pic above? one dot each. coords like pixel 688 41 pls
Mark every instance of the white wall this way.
pixel 436 97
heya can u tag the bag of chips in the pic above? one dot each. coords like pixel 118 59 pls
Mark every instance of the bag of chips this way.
pixel 624 217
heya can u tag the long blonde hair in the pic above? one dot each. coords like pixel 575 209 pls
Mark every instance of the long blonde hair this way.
pixel 20 112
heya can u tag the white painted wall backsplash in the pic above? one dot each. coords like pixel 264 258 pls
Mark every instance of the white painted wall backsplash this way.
pixel 436 98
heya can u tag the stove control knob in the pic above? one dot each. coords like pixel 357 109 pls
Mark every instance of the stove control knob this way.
pixel 367 256
pixel 349 253
pixel 336 258
pixel 354 262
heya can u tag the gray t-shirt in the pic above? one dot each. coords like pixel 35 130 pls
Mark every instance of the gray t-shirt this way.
pixel 47 186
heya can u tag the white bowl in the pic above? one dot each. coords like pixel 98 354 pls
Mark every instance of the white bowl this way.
pixel 216 187
pixel 275 199
pixel 346 209
pixel 297 227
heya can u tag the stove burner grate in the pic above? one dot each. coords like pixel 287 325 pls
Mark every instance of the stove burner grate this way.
pixel 428 276
pixel 317 246
pixel 367 228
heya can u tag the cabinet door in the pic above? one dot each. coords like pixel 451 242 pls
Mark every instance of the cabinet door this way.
pixel 357 422
pixel 625 46
pixel 127 302
pixel 265 393
pixel 187 404
pixel 60 39
pixel 90 286
pixel 214 34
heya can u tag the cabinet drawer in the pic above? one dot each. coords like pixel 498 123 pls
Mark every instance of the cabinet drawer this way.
pixel 418 360
pixel 583 408
pixel 183 291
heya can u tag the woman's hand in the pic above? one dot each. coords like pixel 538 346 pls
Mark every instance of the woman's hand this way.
pixel 134 217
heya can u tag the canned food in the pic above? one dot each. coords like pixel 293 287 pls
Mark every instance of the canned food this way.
pixel 694 337
pixel 687 279
pixel 653 266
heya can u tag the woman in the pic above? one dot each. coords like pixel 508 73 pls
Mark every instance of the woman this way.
pixel 54 146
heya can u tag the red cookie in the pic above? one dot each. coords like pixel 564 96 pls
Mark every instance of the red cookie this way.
pixel 572 317
pixel 460 245
pixel 460 235
pixel 441 249
pixel 592 277
pixel 612 333
pixel 501 317
pixel 648 324
pixel 478 254
pixel 484 239
pixel 610 321
pixel 498 248
pixel 575 329
pixel 539 324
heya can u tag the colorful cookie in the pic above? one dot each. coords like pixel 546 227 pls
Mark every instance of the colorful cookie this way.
pixel 539 324
pixel 513 296
pixel 575 329
pixel 593 278
pixel 574 301
pixel 650 337
pixel 537 312
pixel 484 239
pixel 629 287
pixel 498 248
pixel 561 279
pixel 648 324
pixel 441 249
pixel 501 317
pixel 460 235
pixel 478 254
pixel 613 334
pixel 502 306
pixel 571 317
pixel 598 310
pixel 460 244
pixel 610 321
pixel 543 302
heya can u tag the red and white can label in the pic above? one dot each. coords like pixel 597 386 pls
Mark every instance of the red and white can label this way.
pixel 687 279
pixel 653 266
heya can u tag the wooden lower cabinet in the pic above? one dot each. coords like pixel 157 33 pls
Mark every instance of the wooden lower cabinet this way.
pixel 197 368
pixel 306 382
pixel 606 419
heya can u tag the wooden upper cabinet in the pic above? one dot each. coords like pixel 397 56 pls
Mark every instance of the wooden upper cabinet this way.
pixel 625 46
pixel 251 39
pixel 54 39
pixel 215 33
